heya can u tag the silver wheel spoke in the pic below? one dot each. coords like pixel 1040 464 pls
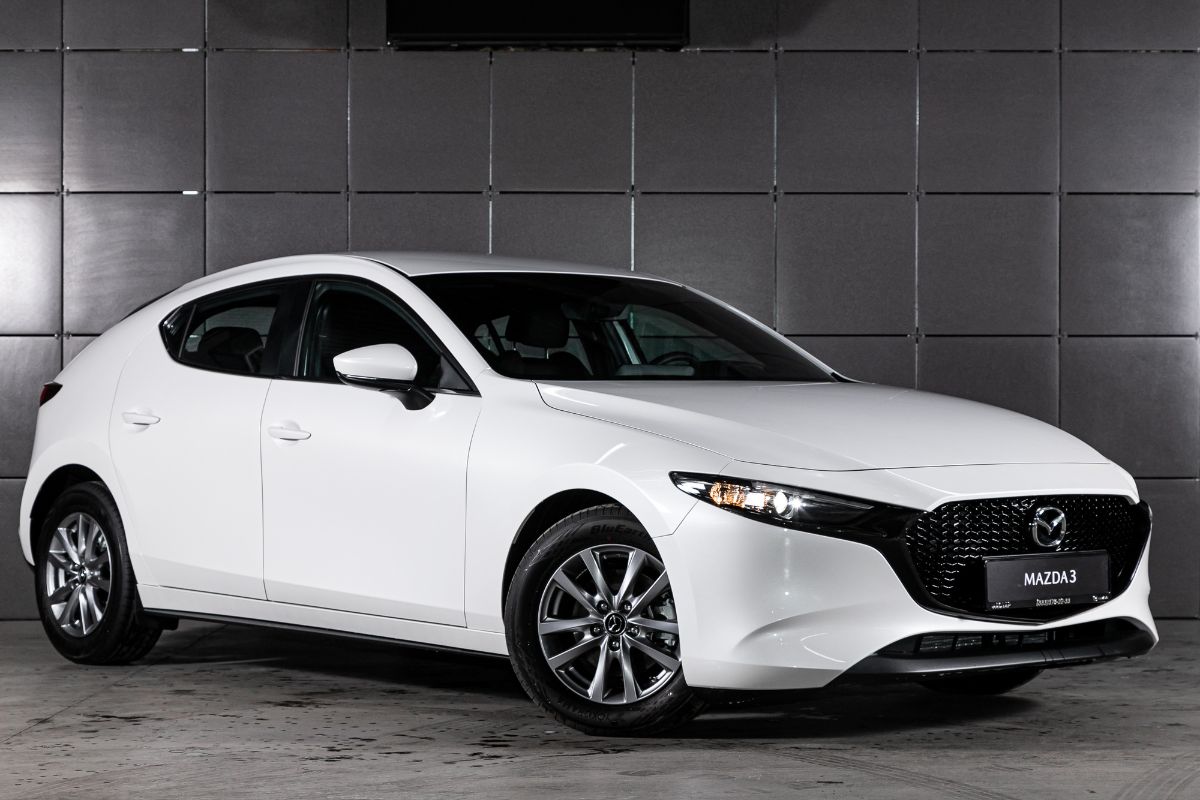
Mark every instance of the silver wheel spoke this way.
pixel 662 658
pixel 99 562
pixel 64 619
pixel 101 583
pixel 85 610
pixel 627 676
pixel 658 587
pixel 599 681
pixel 80 536
pixel 548 626
pixel 660 625
pixel 632 568
pixel 89 597
pixel 593 567
pixel 58 560
pixel 572 653
pixel 89 544
pixel 61 594
pixel 64 537
pixel 569 586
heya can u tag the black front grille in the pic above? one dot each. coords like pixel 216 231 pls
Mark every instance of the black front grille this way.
pixel 948 544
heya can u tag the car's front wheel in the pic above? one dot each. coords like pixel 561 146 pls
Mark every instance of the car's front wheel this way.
pixel 592 629
pixel 86 592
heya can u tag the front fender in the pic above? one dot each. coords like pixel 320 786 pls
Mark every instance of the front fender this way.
pixel 524 452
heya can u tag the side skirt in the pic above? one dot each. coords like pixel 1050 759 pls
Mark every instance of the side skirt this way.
pixel 162 601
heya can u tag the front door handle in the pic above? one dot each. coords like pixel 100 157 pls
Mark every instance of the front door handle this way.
pixel 288 433
pixel 139 418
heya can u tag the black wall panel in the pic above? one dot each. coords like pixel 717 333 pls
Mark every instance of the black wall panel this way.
pixel 992 198
pixel 441 222
pixel 31 125
pixel 989 122
pixel 31 263
pixel 133 121
pixel 704 122
pixel 989 264
pixel 1129 122
pixel 276 121
pixel 591 228
pixel 846 263
pixel 120 250
pixel 989 24
pixel 241 228
pixel 847 122
pixel 420 121
pixel 544 139
pixel 127 24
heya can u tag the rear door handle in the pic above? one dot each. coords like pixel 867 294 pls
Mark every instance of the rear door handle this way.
pixel 289 433
pixel 139 418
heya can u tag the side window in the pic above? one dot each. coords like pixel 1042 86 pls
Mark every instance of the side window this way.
pixel 346 316
pixel 229 332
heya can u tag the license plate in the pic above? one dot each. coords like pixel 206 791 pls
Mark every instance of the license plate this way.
pixel 1037 581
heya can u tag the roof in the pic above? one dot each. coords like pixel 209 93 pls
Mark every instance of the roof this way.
pixel 416 263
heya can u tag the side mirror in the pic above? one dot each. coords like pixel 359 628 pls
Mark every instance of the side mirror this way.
pixel 386 367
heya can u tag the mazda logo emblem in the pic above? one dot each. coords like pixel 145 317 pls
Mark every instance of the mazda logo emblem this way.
pixel 1049 526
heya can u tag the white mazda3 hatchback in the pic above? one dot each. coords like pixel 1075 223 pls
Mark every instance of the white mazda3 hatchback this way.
pixel 632 490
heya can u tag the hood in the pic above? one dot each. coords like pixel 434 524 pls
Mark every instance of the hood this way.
pixel 823 426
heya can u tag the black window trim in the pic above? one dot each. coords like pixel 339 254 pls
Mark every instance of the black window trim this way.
pixel 284 313
pixel 422 327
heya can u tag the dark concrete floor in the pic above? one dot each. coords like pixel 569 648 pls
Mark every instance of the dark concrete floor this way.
pixel 231 713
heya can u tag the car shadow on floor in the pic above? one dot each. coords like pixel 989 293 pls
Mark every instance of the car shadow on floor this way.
pixel 852 711
pixel 338 656
pixel 837 712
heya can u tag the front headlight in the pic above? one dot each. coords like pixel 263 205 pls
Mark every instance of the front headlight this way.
pixel 794 507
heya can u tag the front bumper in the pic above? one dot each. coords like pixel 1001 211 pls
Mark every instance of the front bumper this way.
pixel 762 607
pixel 941 654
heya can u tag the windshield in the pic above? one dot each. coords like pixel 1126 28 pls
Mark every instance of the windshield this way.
pixel 599 327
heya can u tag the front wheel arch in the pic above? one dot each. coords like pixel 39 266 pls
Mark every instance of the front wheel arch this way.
pixel 607 527
pixel 539 520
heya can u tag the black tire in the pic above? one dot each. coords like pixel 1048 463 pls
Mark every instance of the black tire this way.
pixel 668 706
pixel 983 683
pixel 125 633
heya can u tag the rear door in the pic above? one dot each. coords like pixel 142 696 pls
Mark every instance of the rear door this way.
pixel 184 436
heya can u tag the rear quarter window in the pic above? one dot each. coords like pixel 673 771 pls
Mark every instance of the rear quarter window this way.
pixel 233 331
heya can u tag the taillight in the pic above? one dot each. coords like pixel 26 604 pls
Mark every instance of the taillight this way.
pixel 48 392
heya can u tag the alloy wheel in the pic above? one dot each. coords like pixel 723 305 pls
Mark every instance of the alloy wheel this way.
pixel 78 574
pixel 607 625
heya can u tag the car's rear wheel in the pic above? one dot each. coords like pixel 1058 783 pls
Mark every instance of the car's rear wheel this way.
pixel 592 630
pixel 983 683
pixel 86 592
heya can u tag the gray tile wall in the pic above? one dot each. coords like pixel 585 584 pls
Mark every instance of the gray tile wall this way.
pixel 1033 242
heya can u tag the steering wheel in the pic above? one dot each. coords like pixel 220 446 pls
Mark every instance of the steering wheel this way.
pixel 679 357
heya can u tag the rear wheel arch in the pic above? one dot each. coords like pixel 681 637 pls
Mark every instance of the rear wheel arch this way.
pixel 52 487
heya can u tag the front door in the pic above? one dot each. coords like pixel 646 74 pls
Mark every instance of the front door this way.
pixel 364 498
